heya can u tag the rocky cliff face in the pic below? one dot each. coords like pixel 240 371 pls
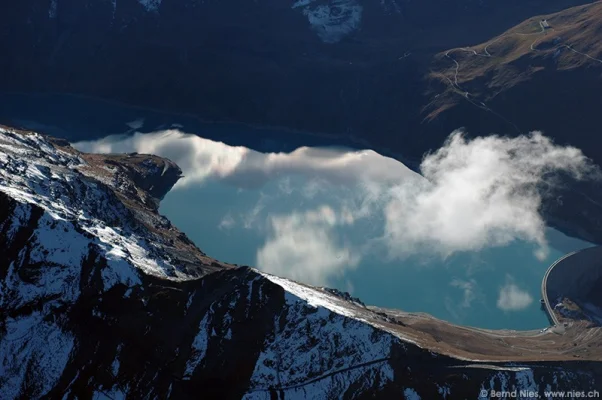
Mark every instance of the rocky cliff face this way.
pixel 102 298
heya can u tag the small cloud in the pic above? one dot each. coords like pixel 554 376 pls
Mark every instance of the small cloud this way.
pixel 250 219
pixel 227 222
pixel 470 291
pixel 314 187
pixel 284 185
pixel 512 298
pixel 136 124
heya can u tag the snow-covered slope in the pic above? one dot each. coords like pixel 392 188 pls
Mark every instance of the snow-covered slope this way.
pixel 100 297
pixel 62 233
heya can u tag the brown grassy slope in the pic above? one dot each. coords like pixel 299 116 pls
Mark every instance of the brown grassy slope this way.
pixel 572 41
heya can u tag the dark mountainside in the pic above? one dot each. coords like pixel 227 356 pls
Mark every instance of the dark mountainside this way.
pixel 103 298
pixel 370 71
pixel 348 67
pixel 543 74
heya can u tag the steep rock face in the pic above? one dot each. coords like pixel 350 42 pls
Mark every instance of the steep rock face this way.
pixel 99 302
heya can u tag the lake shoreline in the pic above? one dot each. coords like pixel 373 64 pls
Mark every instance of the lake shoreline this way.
pixel 350 141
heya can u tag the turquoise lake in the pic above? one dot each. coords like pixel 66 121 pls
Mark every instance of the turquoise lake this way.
pixel 253 222
pixel 463 289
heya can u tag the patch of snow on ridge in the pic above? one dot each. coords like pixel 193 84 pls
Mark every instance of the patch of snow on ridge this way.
pixel 318 298
pixel 122 249
pixel 323 342
pixel 52 9
pixel 334 20
pixel 32 171
pixel 199 346
pixel 150 5
pixel 32 346
pixel 313 297
pixel 57 267
pixel 410 394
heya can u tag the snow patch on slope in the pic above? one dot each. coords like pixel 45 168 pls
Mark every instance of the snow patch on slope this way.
pixel 524 379
pixel 320 347
pixel 32 349
pixel 199 346
pixel 150 5
pixel 58 258
pixel 318 298
pixel 52 9
pixel 310 295
pixel 334 20
pixel 34 172
pixel 410 394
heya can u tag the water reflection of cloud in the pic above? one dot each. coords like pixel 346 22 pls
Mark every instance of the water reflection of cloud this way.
pixel 472 194
pixel 303 246
pixel 227 222
pixel 203 159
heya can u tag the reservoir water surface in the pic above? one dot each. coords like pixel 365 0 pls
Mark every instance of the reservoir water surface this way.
pixel 325 215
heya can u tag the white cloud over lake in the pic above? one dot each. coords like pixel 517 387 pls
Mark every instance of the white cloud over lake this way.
pixel 512 298
pixel 472 194
pixel 469 289
pixel 227 222
pixel 478 193
pixel 470 293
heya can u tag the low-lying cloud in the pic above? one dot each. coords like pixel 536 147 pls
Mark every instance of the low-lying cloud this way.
pixel 478 193
pixel 470 293
pixel 512 298
pixel 469 289
pixel 472 194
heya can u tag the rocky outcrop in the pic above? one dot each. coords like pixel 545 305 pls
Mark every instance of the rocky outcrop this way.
pixel 98 301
